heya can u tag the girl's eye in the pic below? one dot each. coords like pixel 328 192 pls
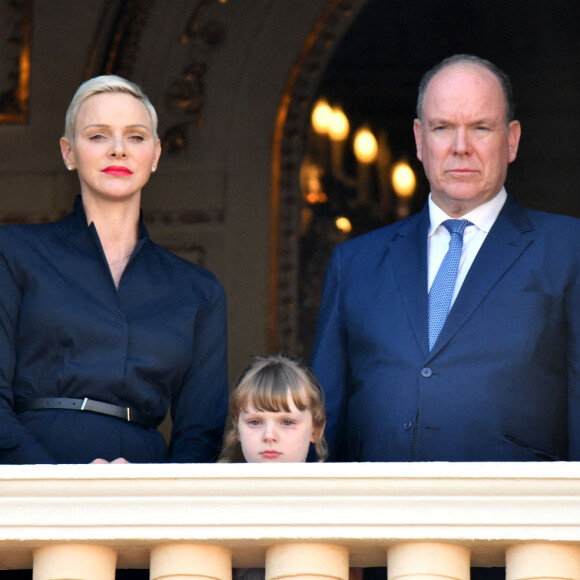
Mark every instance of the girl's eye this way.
pixel 254 422
pixel 287 422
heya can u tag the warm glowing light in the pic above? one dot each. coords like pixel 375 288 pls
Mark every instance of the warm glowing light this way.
pixel 321 116
pixel 339 125
pixel 365 146
pixel 403 179
pixel 313 197
pixel 343 224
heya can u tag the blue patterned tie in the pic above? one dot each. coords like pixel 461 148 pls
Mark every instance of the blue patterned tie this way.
pixel 444 283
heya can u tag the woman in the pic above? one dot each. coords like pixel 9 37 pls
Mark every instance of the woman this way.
pixel 101 329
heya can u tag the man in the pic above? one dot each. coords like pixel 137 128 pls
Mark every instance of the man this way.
pixel 498 377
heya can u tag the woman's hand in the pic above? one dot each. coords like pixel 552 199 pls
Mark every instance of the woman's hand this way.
pixel 118 460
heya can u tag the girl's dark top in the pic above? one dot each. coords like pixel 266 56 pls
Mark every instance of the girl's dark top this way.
pixel 66 331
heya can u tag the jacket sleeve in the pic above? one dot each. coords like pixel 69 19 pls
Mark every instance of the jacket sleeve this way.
pixel 199 408
pixel 330 360
pixel 573 362
pixel 17 444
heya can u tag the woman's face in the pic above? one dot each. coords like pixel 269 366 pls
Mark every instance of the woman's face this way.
pixel 114 149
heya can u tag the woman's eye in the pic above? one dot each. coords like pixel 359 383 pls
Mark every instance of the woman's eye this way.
pixel 137 138
pixel 96 137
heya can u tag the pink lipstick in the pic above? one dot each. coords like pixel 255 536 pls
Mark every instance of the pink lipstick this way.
pixel 117 170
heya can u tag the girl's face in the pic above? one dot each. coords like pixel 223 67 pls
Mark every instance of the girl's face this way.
pixel 114 149
pixel 275 436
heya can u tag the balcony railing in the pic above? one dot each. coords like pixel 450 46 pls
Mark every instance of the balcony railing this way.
pixel 423 520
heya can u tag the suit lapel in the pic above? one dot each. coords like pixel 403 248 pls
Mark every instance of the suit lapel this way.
pixel 409 254
pixel 504 244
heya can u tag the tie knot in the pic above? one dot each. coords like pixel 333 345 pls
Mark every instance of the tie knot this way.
pixel 456 226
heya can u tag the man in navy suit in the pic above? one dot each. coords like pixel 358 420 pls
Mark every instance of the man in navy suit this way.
pixel 501 381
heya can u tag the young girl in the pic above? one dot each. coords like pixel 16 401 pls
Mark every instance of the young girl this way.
pixel 276 413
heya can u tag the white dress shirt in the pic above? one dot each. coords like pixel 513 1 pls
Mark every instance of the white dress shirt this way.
pixel 482 218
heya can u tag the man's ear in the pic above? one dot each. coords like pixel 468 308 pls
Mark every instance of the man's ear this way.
pixel 514 134
pixel 417 130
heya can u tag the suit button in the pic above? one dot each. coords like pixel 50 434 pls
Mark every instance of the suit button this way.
pixel 426 372
pixel 407 425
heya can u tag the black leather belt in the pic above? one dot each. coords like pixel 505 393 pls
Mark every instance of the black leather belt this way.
pixel 124 413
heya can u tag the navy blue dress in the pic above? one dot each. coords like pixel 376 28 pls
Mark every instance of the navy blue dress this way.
pixel 67 331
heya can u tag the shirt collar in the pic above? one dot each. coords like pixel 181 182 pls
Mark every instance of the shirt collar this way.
pixel 483 216
pixel 82 223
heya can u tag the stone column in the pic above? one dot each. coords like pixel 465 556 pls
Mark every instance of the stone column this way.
pixel 74 562
pixel 186 561
pixel 302 561
pixel 543 562
pixel 427 561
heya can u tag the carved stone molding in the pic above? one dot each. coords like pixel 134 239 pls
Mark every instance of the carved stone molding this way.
pixel 291 126
pixel 15 20
pixel 31 218
pixel 186 95
pixel 116 43
pixel 184 217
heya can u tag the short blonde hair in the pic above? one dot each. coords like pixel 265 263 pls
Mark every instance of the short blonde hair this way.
pixel 267 385
pixel 100 85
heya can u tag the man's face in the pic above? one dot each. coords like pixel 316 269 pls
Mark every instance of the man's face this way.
pixel 462 140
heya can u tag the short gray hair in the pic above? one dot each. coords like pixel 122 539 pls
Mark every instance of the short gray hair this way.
pixel 100 85
pixel 502 78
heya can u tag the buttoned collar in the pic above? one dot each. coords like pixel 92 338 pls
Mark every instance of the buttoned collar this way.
pixel 483 216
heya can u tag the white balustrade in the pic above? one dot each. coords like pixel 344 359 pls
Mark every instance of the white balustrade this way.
pixel 300 521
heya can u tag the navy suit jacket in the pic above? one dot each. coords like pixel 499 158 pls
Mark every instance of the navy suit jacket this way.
pixel 502 383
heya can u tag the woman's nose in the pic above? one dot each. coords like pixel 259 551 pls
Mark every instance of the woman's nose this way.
pixel 117 148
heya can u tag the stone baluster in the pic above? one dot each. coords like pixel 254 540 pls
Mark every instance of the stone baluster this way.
pixel 184 561
pixel 428 561
pixel 74 562
pixel 302 561
pixel 539 561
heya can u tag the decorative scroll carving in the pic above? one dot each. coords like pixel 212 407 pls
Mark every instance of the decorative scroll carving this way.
pixel 293 118
pixel 15 18
pixel 186 95
pixel 122 45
